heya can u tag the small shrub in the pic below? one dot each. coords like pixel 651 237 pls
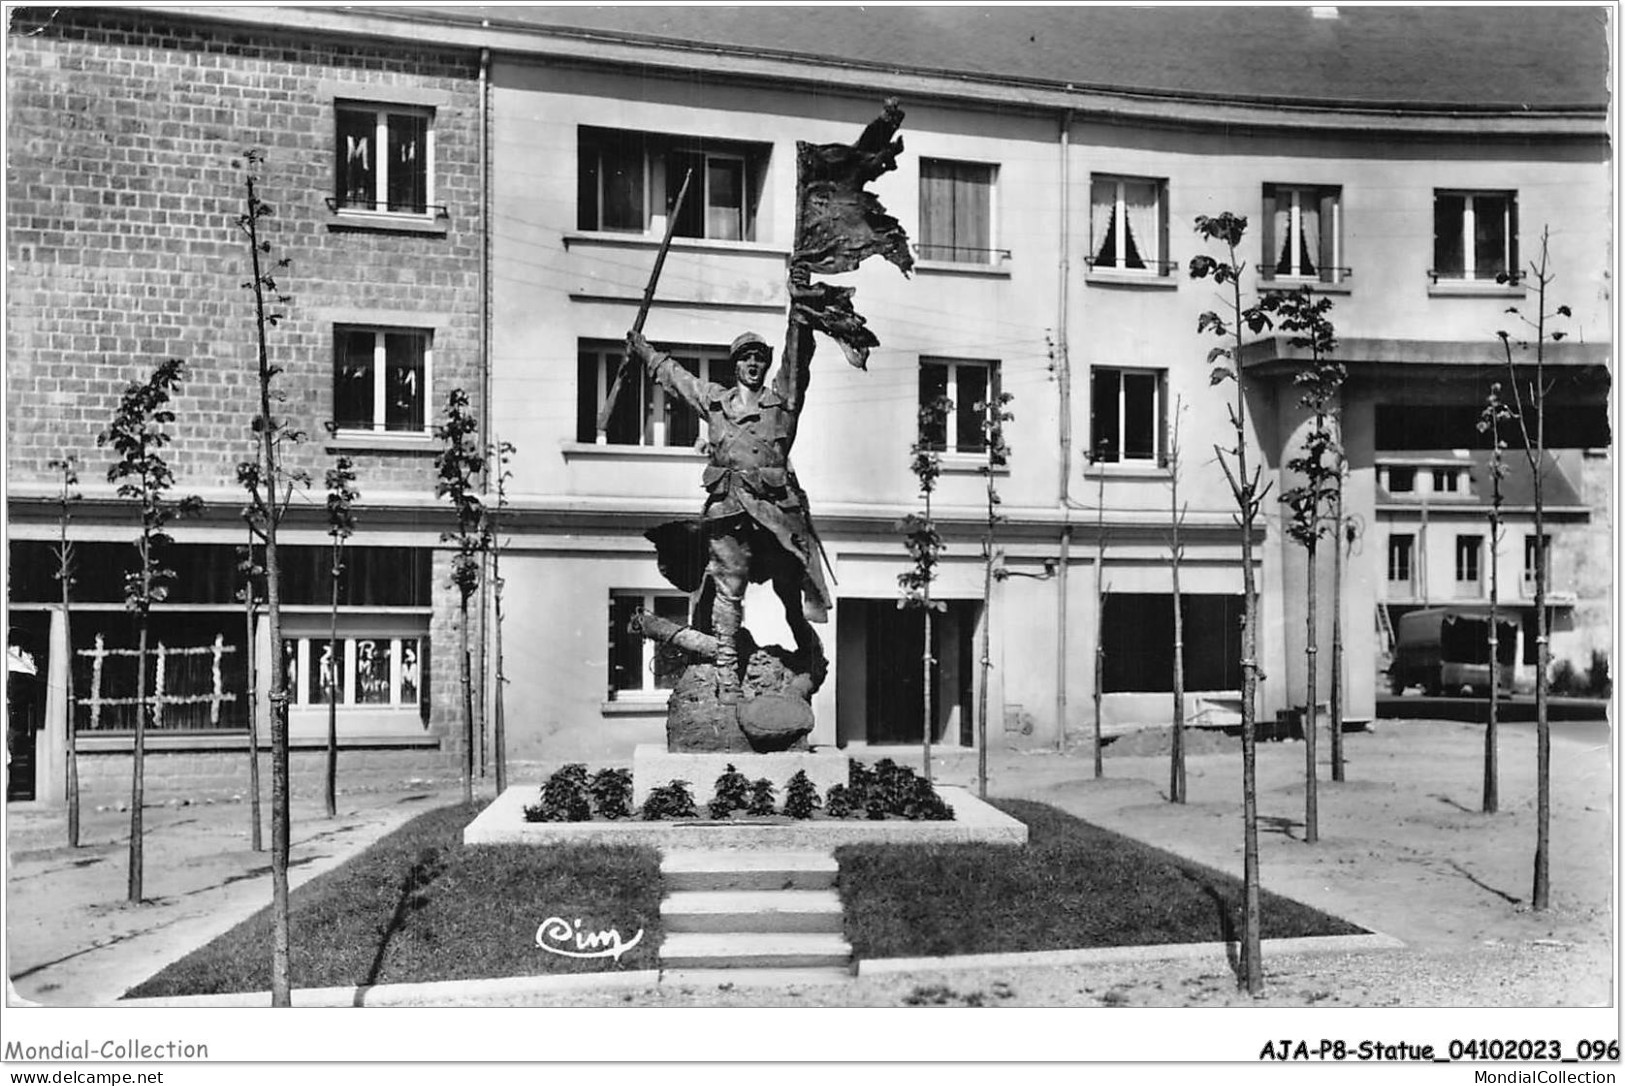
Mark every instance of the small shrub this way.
pixel 800 796
pixel 1564 681
pixel 732 793
pixel 926 805
pixel 888 790
pixel 894 786
pixel 564 797
pixel 612 793
pixel 860 781
pixel 762 798
pixel 838 801
pixel 669 801
pixel 1599 683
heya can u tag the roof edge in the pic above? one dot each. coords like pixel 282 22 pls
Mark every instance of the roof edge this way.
pixel 578 47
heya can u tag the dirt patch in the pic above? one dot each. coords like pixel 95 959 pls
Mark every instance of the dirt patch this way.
pixel 1150 742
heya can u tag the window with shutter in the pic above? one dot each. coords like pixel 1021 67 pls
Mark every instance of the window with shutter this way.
pixel 1302 233
pixel 956 211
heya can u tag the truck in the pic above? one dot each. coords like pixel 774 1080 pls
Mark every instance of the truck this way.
pixel 1446 650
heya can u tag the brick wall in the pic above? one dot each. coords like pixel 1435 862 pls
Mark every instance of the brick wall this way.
pixel 124 248
pixel 222 776
pixel 445 676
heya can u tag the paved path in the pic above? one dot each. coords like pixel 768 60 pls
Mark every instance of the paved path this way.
pixel 73 940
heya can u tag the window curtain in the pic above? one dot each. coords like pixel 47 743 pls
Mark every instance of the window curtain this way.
pixel 1283 231
pixel 1309 244
pixel 936 210
pixel 973 199
pixel 725 199
pixel 1140 209
pixel 1102 209
pixel 1306 238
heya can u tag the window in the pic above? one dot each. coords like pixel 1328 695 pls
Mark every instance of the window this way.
pixel 1475 235
pixel 384 158
pixel 208 573
pixel 1137 631
pixel 196 671
pixel 956 211
pixel 1128 224
pixel 1401 550
pixel 645 414
pixel 375 672
pixel 970 385
pixel 634 666
pixel 1401 480
pixel 1532 560
pixel 1446 481
pixel 1128 416
pixel 629 181
pixel 1469 555
pixel 1302 233
pixel 381 379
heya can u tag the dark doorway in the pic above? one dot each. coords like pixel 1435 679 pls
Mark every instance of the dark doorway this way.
pixel 892 676
pixel 25 701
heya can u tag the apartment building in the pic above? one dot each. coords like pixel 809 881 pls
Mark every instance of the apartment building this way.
pixel 127 138
pixel 1056 160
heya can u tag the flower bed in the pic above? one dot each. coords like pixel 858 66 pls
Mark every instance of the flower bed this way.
pixel 886 791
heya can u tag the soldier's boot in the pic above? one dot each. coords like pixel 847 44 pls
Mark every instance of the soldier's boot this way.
pixel 727 612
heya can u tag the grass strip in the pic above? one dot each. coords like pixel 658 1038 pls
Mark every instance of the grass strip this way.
pixel 419 905
pixel 1074 886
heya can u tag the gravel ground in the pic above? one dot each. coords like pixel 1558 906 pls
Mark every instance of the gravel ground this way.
pixel 1500 976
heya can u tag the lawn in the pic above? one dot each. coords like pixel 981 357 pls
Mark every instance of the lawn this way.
pixel 419 905
pixel 1074 886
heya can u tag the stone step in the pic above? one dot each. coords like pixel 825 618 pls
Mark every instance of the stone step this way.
pixel 741 911
pixel 740 869
pixel 795 950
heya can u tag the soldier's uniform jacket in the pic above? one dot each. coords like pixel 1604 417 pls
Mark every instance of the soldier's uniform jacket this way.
pixel 749 473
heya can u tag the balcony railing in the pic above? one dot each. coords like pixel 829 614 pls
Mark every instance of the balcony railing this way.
pixel 962 254
pixel 1505 279
pixel 1160 267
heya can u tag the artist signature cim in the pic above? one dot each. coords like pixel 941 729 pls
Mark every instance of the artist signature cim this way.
pixel 557 935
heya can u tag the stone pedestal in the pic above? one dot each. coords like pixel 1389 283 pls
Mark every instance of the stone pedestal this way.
pixel 653 765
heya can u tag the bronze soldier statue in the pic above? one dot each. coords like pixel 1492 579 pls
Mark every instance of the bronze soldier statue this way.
pixel 756 525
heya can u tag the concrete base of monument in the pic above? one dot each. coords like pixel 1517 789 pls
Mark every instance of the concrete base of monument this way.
pixel 653 765
pixel 503 823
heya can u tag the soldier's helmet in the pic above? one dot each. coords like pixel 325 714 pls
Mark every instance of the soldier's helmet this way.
pixel 746 341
